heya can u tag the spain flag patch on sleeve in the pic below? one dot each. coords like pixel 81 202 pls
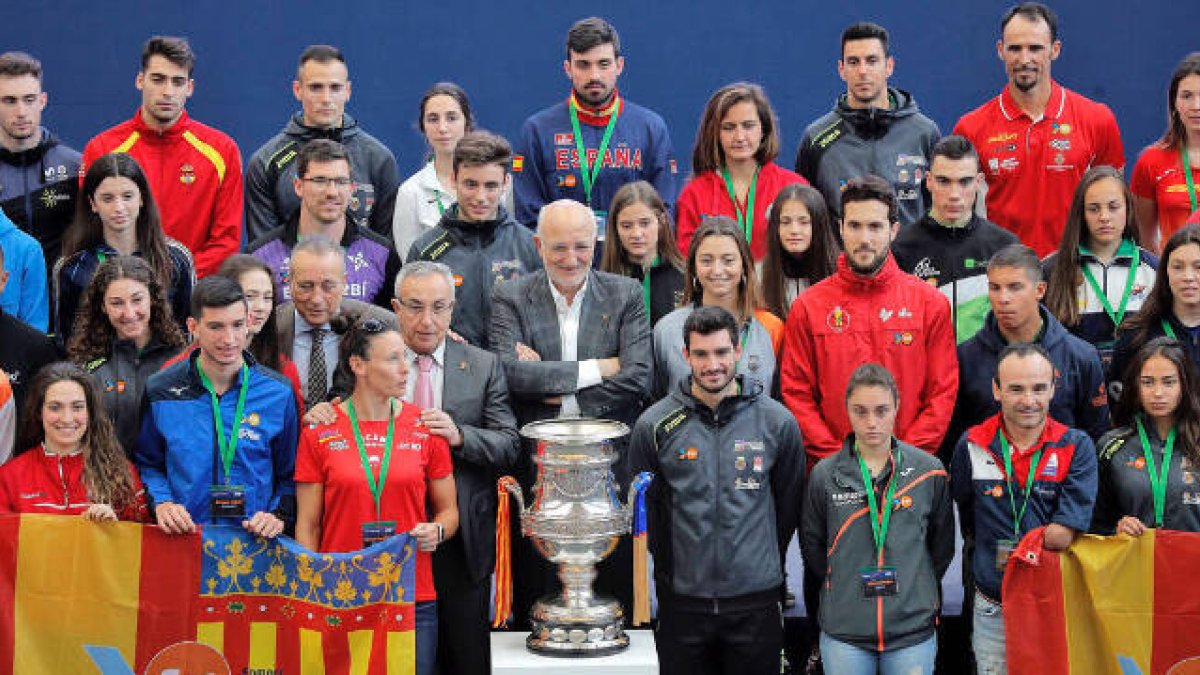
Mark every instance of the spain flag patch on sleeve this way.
pixel 518 163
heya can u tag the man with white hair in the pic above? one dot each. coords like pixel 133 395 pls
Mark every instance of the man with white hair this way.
pixel 574 341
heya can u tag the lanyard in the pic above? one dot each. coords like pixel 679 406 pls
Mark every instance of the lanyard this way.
pixel 226 444
pixel 437 200
pixel 1158 479
pixel 1119 314
pixel 745 218
pixel 646 284
pixel 590 173
pixel 1168 330
pixel 101 256
pixel 1187 173
pixel 880 518
pixel 1008 472
pixel 376 486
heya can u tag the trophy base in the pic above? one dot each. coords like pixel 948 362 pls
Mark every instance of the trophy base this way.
pixel 595 630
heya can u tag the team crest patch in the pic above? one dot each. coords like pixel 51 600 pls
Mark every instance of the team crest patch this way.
pixel 564 139
pixel 904 338
pixel 838 319
pixel 187 174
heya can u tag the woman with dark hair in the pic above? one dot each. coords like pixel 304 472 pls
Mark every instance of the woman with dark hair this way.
pixel 1099 273
pixel 880 563
pixel 1173 308
pixel 125 333
pixel 801 247
pixel 1151 461
pixel 445 117
pixel 1168 170
pixel 733 166
pixel 258 284
pixel 638 221
pixel 115 215
pixel 352 491
pixel 719 272
pixel 74 465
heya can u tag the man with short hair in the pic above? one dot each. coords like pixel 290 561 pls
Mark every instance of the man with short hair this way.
pixel 476 238
pixel 39 175
pixel 1018 470
pixel 873 129
pixel 574 341
pixel 195 171
pixel 869 312
pixel 465 399
pixel 1037 138
pixel 324 184
pixel 1015 291
pixel 588 147
pixel 718 546
pixel 219 434
pixel 322 86
pixel 23 291
pixel 950 246
pixel 310 327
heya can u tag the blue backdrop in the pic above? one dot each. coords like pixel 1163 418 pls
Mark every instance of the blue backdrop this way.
pixel 509 55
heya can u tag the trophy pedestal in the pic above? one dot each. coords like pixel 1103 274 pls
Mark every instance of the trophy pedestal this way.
pixel 562 630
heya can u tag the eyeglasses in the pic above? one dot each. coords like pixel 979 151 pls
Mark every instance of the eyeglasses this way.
pixel 324 181
pixel 438 309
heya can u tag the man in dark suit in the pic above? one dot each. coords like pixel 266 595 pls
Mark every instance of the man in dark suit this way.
pixel 465 399
pixel 574 341
pixel 311 325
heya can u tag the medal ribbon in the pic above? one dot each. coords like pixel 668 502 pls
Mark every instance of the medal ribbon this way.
pixel 226 444
pixel 880 518
pixel 1158 478
pixel 745 218
pixel 589 174
pixel 646 284
pixel 1187 173
pixel 1119 314
pixel 376 486
pixel 1008 472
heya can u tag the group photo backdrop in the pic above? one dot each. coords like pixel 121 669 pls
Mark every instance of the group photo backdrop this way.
pixel 508 56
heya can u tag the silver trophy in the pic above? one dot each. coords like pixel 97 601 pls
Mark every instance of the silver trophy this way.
pixel 575 521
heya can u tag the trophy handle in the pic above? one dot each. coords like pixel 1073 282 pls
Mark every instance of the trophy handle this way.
pixel 510 485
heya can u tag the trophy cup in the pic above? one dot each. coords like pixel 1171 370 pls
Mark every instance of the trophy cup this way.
pixel 575 520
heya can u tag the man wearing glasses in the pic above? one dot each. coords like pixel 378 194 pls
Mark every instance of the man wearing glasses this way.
pixel 310 327
pixel 324 186
pixel 477 239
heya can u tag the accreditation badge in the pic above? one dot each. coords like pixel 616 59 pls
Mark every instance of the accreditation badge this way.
pixel 227 501
pixel 376 531
pixel 601 223
pixel 1004 549
pixel 878 582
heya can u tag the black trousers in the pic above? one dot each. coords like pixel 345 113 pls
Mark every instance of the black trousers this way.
pixel 464 634
pixel 744 642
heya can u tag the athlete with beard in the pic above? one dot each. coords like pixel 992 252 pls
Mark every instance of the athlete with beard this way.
pixel 587 147
pixel 718 544
pixel 869 311
pixel 1037 138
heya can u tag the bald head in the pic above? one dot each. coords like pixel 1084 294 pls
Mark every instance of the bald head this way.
pixel 566 240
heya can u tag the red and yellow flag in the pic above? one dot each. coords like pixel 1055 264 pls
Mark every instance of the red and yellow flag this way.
pixel 1106 605
pixel 66 583
pixel 81 597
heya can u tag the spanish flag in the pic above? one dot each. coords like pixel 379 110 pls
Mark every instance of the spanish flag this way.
pixel 1107 605
pixel 67 584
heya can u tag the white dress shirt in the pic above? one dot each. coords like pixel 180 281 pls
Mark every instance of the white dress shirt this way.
pixel 568 332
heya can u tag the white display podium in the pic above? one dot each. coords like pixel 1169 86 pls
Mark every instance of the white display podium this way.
pixel 510 657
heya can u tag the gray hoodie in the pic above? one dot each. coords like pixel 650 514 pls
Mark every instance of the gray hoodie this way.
pixel 271 200
pixel 895 144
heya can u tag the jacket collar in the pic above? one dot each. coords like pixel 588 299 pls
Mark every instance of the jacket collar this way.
pixel 886 275
pixel 175 130
pixel 1054 106
pixel 597 116
pixel 987 433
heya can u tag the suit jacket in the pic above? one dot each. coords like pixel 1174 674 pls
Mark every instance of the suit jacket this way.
pixel 350 312
pixel 612 322
pixel 475 395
